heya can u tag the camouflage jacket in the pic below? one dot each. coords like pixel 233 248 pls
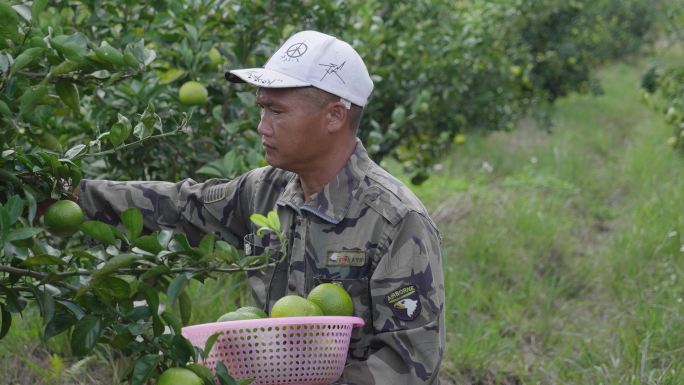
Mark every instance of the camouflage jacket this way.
pixel 365 230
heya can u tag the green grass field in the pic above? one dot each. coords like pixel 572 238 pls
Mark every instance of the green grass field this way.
pixel 562 249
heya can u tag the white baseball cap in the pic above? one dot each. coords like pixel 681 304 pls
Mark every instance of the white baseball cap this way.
pixel 311 58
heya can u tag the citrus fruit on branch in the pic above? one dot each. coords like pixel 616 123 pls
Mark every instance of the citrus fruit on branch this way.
pixel 63 218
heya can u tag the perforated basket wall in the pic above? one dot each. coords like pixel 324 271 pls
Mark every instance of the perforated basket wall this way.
pixel 295 350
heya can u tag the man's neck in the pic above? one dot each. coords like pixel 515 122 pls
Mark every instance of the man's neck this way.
pixel 313 181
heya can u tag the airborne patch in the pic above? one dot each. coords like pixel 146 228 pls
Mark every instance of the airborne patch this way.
pixel 215 193
pixel 404 303
pixel 346 258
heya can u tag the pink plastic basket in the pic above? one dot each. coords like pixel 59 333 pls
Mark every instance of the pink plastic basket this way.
pixel 275 351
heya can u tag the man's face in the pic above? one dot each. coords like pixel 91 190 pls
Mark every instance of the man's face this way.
pixel 292 129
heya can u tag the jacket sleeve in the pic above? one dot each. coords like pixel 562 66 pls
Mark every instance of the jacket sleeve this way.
pixel 217 206
pixel 407 295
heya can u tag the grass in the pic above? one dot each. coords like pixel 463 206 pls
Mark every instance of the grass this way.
pixel 562 248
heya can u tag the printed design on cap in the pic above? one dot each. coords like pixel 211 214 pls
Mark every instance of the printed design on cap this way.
pixel 294 52
pixel 404 303
pixel 333 69
pixel 259 78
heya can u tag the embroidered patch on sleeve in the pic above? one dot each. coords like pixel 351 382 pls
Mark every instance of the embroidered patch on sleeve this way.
pixel 346 258
pixel 215 193
pixel 404 303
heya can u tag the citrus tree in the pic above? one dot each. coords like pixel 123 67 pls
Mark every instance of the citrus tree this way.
pixel 668 81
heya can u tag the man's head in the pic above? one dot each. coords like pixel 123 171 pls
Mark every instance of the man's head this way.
pixel 311 93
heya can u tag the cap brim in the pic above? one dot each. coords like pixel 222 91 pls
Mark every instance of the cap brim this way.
pixel 262 77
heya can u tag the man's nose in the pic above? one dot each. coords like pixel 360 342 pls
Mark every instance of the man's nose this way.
pixel 264 128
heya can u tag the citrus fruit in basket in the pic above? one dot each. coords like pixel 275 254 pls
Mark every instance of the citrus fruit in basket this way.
pixel 254 310
pixel 294 306
pixel 243 313
pixel 178 376
pixel 63 218
pixel 332 299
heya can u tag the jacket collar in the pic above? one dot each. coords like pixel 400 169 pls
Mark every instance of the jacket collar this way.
pixel 332 203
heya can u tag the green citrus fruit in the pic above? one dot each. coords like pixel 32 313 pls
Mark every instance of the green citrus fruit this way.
pixel 179 376
pixel 294 306
pixel 63 218
pixel 254 310
pixel 332 299
pixel 215 57
pixel 193 93
pixel 243 313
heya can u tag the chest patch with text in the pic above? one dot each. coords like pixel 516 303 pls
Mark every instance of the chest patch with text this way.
pixel 346 258
pixel 404 303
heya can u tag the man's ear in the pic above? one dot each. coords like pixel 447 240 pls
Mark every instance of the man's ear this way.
pixel 337 117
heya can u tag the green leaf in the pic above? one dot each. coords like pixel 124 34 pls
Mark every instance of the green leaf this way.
pixel 37 7
pixel 98 231
pixel 223 251
pixel 23 233
pixel 180 243
pixel 274 220
pixel 65 67
pixel 32 97
pixel 252 259
pixel 5 321
pixel 246 380
pixel 152 299
pixel 176 287
pixel 32 205
pixel 155 271
pixel 206 245
pixel 185 304
pixel 115 263
pixel 132 220
pixel 14 207
pixel 170 75
pixel 59 323
pixel 223 375
pixel 202 372
pixel 165 237
pixel 68 93
pixel 23 11
pixel 43 260
pixel 120 131
pixel 141 131
pixel 109 54
pixel 113 287
pixel 259 220
pixel 143 367
pixel 209 343
pixel 73 47
pixel 46 303
pixel 85 334
pixel 5 224
pixel 173 322
pixel 75 309
pixel 149 243
pixel 10 23
pixel 14 302
pixel 74 151
pixel 25 58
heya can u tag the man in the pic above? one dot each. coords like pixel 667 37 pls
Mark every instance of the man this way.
pixel 346 220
